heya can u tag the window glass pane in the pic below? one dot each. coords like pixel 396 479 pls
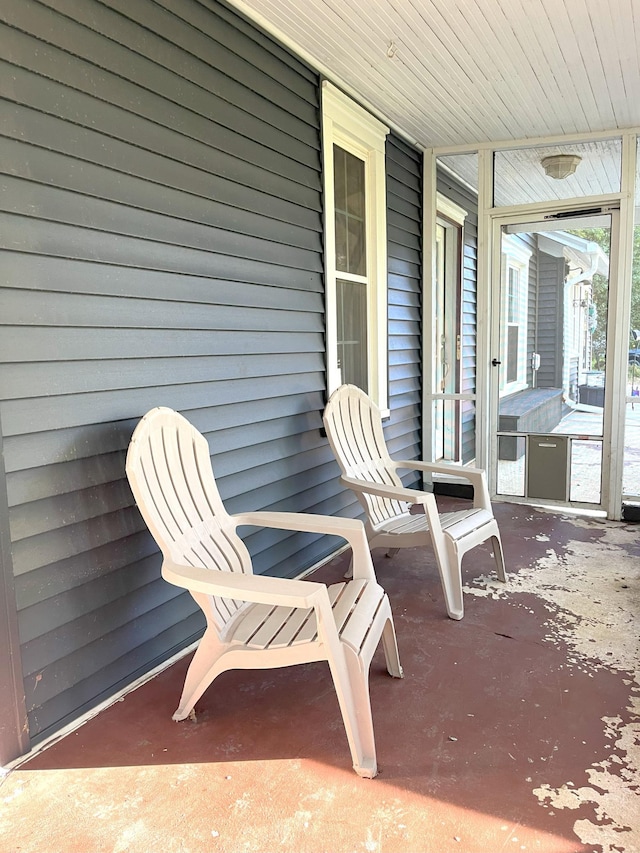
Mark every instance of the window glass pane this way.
pixel 511 467
pixel 352 332
pixel 447 420
pixel 355 185
pixel 341 241
pixel 586 471
pixel 355 244
pixel 631 471
pixel 513 296
pixel 349 212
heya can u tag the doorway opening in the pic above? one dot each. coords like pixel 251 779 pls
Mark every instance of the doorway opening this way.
pixel 550 368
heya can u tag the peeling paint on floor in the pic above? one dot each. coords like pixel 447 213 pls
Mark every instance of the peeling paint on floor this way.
pixel 592 591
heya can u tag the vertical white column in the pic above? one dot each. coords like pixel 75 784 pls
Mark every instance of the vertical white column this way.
pixel 486 419
pixel 620 272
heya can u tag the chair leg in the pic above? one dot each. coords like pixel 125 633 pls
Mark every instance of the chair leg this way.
pixel 390 646
pixel 498 555
pixel 204 667
pixel 392 552
pixel 451 576
pixel 351 680
pixel 349 573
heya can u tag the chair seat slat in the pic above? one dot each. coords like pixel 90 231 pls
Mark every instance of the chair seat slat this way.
pixel 354 608
pixel 356 628
pixel 405 524
pixel 456 524
pixel 291 633
pixel 466 523
pixel 258 624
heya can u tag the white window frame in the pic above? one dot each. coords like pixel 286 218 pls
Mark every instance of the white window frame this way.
pixel 451 217
pixel 516 257
pixel 349 126
pixel 447 439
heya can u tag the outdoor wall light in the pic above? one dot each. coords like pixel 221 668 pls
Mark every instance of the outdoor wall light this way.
pixel 560 165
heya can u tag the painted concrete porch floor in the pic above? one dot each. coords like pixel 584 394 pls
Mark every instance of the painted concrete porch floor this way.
pixel 515 729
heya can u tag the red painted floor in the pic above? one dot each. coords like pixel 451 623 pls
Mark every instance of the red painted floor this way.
pixel 514 729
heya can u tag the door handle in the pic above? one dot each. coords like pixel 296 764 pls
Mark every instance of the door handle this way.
pixel 495 362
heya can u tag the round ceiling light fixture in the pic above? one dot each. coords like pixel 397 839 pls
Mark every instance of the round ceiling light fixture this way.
pixel 560 166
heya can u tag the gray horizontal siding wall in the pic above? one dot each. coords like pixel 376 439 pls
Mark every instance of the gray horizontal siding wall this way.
pixel 531 243
pixel 161 221
pixel 550 320
pixel 404 258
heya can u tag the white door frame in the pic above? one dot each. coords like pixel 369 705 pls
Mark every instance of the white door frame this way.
pixel 489 222
pixel 613 401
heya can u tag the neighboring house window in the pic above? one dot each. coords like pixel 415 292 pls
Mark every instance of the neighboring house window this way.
pixel 514 321
pixel 356 241
pixel 515 301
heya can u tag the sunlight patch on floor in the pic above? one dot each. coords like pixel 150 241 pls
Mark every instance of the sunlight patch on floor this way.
pixel 112 811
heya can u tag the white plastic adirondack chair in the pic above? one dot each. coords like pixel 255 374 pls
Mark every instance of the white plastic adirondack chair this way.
pixel 354 428
pixel 255 621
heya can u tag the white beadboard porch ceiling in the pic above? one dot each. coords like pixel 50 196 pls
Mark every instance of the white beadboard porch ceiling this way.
pixel 458 72
pixel 451 72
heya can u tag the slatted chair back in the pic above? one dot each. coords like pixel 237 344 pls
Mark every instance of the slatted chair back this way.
pixel 354 428
pixel 169 470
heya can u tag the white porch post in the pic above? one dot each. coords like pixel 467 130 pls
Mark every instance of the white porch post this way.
pixel 620 281
pixel 486 419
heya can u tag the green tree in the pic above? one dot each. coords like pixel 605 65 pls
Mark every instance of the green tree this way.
pixel 601 236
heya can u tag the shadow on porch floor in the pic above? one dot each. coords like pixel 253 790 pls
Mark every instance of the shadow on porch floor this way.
pixel 515 729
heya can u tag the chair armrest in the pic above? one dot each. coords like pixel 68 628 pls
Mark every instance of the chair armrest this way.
pixel 351 529
pixel 427 500
pixel 300 521
pixel 476 476
pixel 245 587
pixel 382 490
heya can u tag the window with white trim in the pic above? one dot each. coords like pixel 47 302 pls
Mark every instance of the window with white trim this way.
pixel 356 245
pixel 515 301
